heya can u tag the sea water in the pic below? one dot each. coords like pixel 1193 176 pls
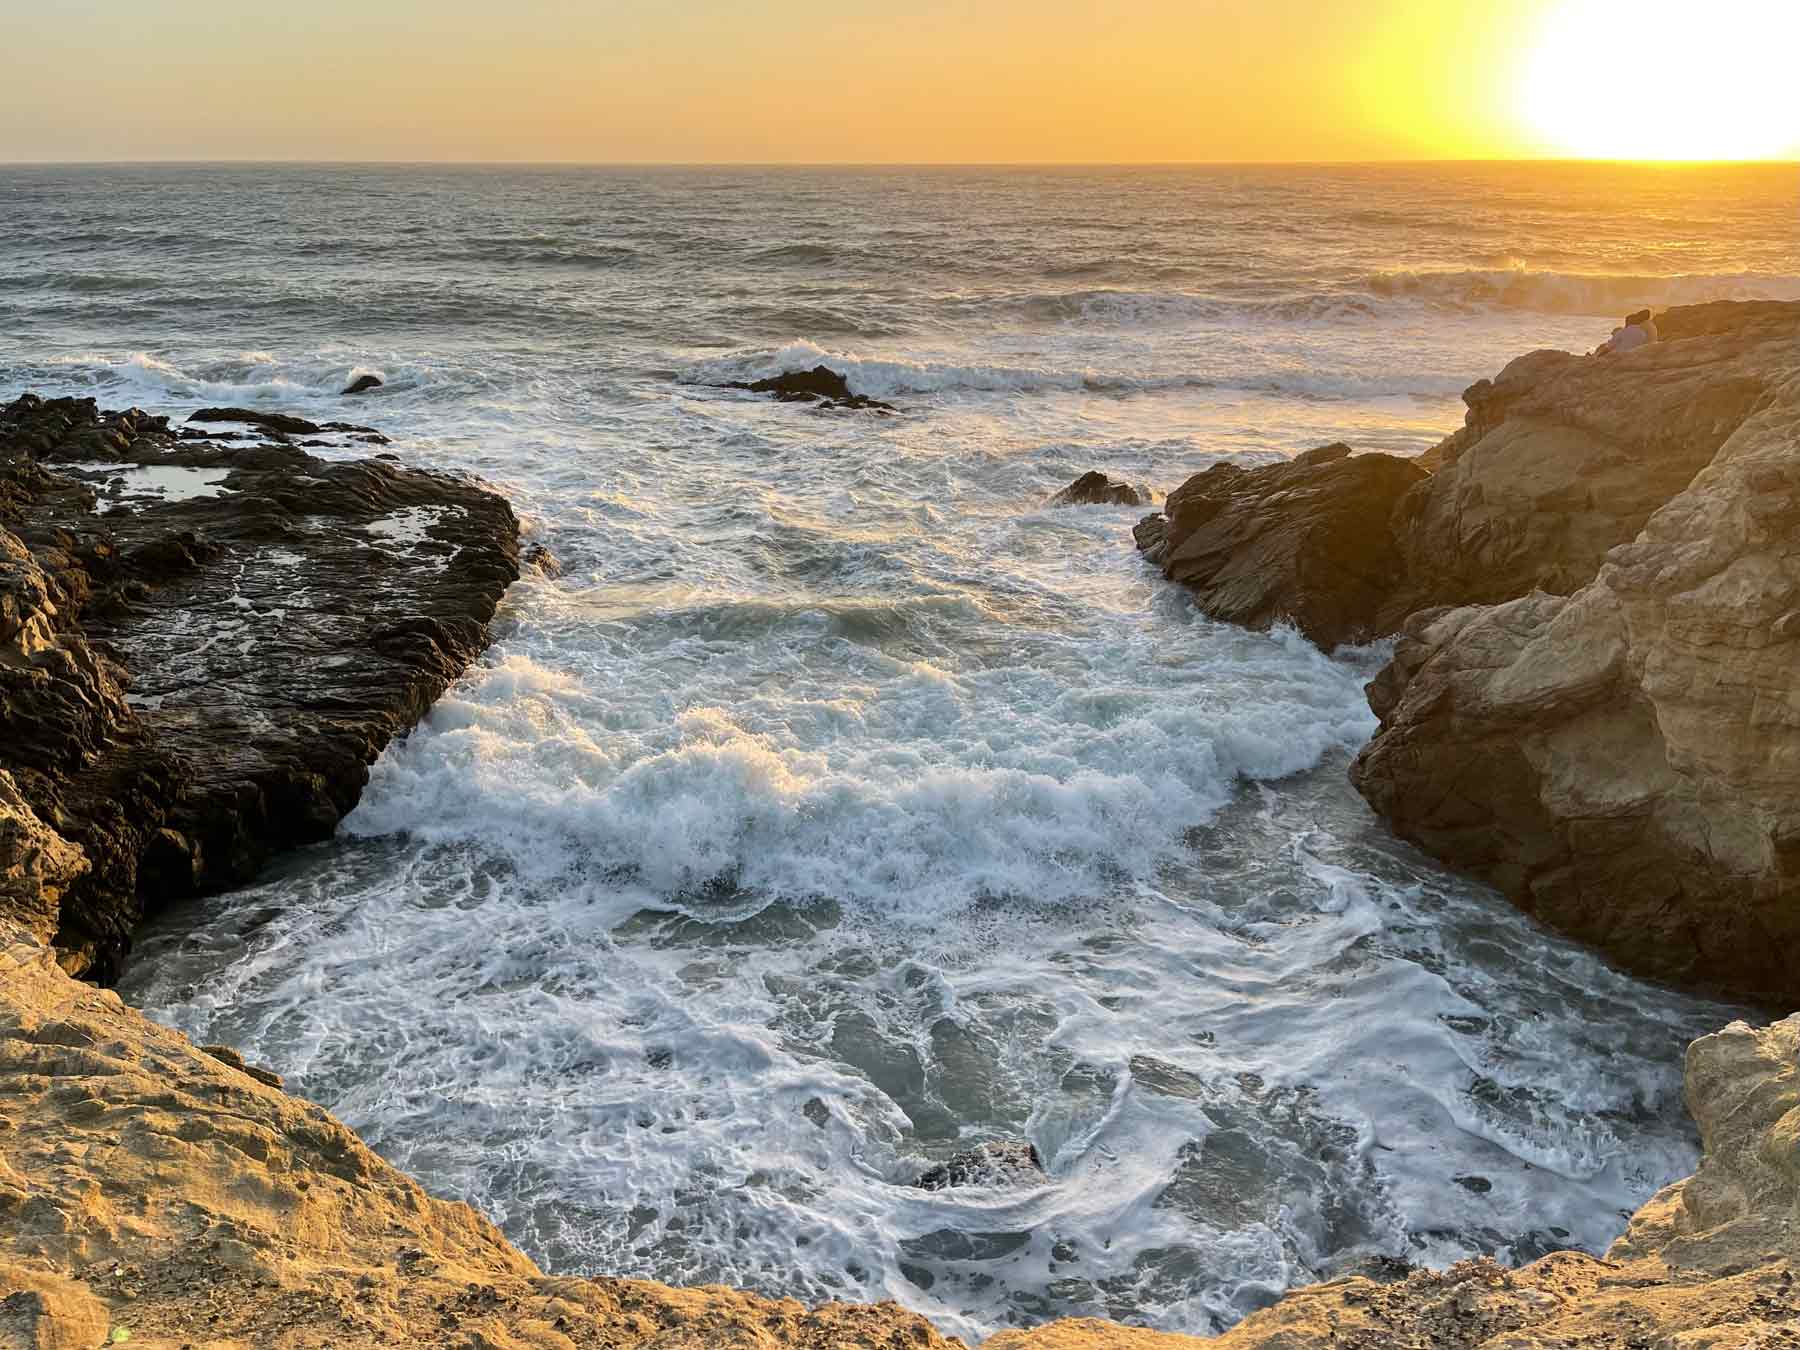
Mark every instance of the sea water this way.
pixel 839 805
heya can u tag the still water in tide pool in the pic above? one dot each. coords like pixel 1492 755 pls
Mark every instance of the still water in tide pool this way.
pixel 839 806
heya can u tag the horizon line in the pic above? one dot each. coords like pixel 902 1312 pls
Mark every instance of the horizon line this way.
pixel 294 161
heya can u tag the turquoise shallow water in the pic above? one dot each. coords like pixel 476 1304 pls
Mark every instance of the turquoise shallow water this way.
pixel 839 805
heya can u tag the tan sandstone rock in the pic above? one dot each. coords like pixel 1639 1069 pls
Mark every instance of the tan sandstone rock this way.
pixel 1624 761
pixel 36 863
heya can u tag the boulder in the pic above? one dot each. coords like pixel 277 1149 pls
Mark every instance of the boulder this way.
pixel 1306 541
pixel 278 424
pixel 362 384
pixel 192 682
pixel 1622 759
pixel 1096 489
pixel 1004 1162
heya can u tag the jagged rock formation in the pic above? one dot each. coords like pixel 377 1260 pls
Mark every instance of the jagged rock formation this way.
pixel 1624 761
pixel 1305 541
pixel 202 648
pixel 1563 457
pixel 151 1185
pixel 1094 488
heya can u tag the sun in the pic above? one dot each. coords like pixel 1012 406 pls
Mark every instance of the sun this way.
pixel 1667 79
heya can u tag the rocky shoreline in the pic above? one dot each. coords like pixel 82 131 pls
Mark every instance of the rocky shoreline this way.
pixel 207 636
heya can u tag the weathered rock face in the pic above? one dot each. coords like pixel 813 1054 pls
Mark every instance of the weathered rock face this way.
pixel 1564 457
pixel 202 648
pixel 1097 489
pixel 1624 761
pixel 1306 541
pixel 37 865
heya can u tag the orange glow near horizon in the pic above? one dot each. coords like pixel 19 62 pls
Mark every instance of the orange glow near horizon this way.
pixel 904 81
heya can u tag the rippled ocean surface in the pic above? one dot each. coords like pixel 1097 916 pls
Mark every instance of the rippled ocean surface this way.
pixel 840 806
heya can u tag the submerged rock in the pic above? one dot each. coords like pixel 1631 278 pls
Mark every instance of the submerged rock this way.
pixel 821 385
pixel 362 384
pixel 1096 489
pixel 202 675
pixel 996 1163
pixel 1306 541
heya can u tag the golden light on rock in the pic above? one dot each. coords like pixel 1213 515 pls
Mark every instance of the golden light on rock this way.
pixel 1666 79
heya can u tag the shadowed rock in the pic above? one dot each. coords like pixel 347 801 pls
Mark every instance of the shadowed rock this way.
pixel 362 384
pixel 282 424
pixel 199 674
pixel 1096 489
pixel 1306 541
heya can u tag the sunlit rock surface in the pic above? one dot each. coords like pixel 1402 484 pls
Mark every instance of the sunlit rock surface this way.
pixel 1624 760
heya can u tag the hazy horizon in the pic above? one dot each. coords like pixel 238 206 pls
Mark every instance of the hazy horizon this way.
pixel 1774 162
pixel 919 82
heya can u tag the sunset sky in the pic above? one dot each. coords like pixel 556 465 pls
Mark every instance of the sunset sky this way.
pixel 900 80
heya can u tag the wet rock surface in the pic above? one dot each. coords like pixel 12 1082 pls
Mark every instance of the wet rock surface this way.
pixel 821 386
pixel 1006 1162
pixel 203 645
pixel 362 384
pixel 1305 542
pixel 1097 489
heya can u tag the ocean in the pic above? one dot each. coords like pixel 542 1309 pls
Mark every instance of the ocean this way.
pixel 840 805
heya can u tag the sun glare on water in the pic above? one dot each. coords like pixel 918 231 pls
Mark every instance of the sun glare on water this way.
pixel 1668 79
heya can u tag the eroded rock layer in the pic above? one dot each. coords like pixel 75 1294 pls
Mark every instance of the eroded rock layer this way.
pixel 203 646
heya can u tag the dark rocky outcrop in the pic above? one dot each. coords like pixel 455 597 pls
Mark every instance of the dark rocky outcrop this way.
pixel 1003 1162
pixel 202 648
pixel 362 384
pixel 1305 541
pixel 821 385
pixel 1096 489
pixel 280 426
